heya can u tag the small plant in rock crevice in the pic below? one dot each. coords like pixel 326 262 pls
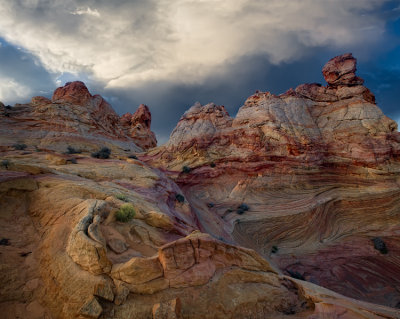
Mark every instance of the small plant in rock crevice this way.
pixel 274 249
pixel 19 147
pixel 122 197
pixel 186 169
pixel 380 245
pixel 125 213
pixel 5 242
pixel 180 198
pixel 103 153
pixel 5 163
pixel 295 274
pixel 72 160
pixel 242 208
pixel 71 150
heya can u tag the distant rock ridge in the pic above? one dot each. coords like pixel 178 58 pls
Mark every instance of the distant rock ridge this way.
pixel 310 123
pixel 74 117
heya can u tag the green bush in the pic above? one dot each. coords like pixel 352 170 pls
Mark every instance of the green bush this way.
pixel 71 150
pixel 380 245
pixel 242 208
pixel 212 164
pixel 295 274
pixel 19 147
pixel 122 197
pixel 133 157
pixel 186 169
pixel 125 213
pixel 103 153
pixel 72 160
pixel 180 198
pixel 5 163
pixel 274 249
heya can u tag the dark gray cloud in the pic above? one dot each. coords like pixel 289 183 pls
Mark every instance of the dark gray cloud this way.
pixel 21 75
pixel 234 82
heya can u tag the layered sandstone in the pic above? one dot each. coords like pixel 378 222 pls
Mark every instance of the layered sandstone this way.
pixel 312 124
pixel 138 125
pixel 75 118
pixel 60 258
pixel 273 208
pixel 319 169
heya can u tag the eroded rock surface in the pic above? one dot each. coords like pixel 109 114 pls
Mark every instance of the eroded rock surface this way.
pixel 75 118
pixel 273 208
pixel 138 125
pixel 311 124
pixel 318 167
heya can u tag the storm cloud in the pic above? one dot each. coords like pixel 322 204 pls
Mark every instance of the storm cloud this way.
pixel 170 54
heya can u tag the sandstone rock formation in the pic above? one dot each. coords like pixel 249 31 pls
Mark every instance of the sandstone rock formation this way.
pixel 139 127
pixel 319 169
pixel 274 208
pixel 341 70
pixel 74 118
pixel 311 124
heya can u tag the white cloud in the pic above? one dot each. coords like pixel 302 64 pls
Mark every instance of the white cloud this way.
pixel 134 42
pixel 10 90
pixel 88 11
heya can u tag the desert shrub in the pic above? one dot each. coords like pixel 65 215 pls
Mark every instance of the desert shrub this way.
pixel 125 213
pixel 122 197
pixel 72 160
pixel 180 198
pixel 274 249
pixel 212 164
pixel 242 208
pixel 103 153
pixel 380 245
pixel 210 205
pixel 5 163
pixel 133 157
pixel 25 254
pixel 19 147
pixel 71 150
pixel 8 107
pixel 186 169
pixel 5 242
pixel 295 274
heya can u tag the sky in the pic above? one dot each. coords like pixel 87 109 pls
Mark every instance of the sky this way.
pixel 171 54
